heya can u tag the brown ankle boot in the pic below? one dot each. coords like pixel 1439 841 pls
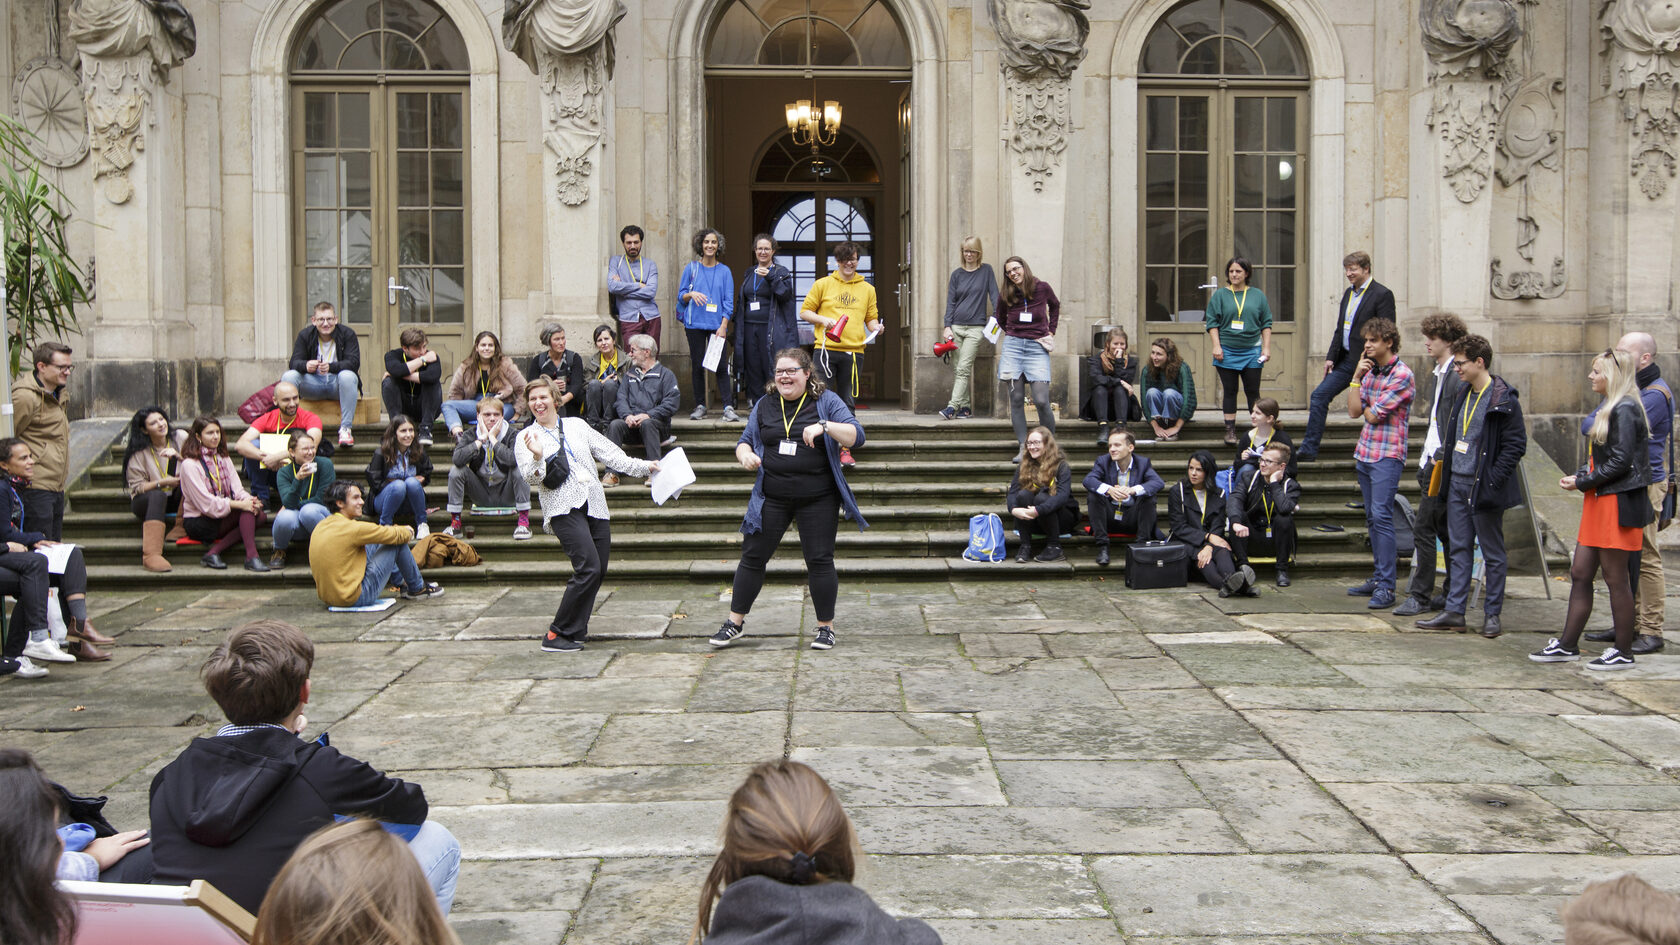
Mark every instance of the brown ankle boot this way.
pixel 151 547
pixel 176 533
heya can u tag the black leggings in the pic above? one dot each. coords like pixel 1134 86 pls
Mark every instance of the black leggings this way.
pixel 1250 383
pixel 156 505
pixel 1582 570
pixel 819 520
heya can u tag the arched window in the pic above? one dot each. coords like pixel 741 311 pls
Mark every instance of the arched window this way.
pixel 380 36
pixel 803 34
pixel 846 161
pixel 1222 38
pixel 804 236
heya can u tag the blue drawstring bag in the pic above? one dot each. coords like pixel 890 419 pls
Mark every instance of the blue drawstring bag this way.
pixel 985 538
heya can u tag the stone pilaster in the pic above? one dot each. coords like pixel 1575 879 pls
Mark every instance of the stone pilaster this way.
pixel 577 194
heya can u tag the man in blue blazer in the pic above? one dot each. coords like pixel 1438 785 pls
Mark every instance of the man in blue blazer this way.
pixel 1120 493
pixel 1365 298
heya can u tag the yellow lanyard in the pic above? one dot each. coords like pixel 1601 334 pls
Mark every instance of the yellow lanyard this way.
pixel 635 273
pixel 609 368
pixel 483 383
pixel 309 492
pixel 157 465
pixel 1353 303
pixel 787 422
pixel 1265 505
pixel 1464 430
pixel 1240 302
pixel 288 426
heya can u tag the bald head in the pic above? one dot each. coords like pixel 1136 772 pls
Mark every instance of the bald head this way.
pixel 286 398
pixel 1639 344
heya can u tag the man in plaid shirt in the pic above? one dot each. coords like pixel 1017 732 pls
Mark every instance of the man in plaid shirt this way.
pixel 1381 394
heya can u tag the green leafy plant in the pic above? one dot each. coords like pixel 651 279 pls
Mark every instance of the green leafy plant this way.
pixel 43 282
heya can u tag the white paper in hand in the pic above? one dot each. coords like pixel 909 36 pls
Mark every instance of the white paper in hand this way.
pixel 674 474
pixel 993 331
pixel 714 354
pixel 57 557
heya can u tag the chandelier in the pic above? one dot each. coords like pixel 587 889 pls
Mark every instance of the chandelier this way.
pixel 811 126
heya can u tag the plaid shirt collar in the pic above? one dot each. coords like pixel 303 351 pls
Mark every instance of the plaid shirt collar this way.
pixel 228 731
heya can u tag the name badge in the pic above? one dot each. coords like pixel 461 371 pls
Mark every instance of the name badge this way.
pixel 711 306
pixel 1026 317
pixel 1267 532
pixel 1236 326
pixel 1461 447
pixel 752 306
pixel 788 447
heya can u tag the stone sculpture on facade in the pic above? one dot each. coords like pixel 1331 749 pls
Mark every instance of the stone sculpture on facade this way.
pixel 569 45
pixel 126 47
pixel 1042 42
pixel 1529 136
pixel 1642 68
pixel 1468 42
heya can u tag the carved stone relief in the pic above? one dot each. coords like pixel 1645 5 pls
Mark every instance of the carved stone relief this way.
pixel 1468 42
pixel 569 45
pixel 1642 69
pixel 1528 137
pixel 1042 42
pixel 1528 284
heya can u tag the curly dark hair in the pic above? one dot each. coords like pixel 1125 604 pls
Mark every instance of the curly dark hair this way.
pixel 699 242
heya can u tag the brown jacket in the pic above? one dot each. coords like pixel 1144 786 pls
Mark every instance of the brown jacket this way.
pixel 41 422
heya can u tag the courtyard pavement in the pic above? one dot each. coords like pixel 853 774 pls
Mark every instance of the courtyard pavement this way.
pixel 1067 762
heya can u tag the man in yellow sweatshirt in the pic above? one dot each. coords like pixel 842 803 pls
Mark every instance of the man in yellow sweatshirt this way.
pixel 353 561
pixel 842 294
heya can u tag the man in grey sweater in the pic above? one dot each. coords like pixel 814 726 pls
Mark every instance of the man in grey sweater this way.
pixel 647 400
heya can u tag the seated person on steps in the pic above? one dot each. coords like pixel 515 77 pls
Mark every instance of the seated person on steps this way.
pixel 397 475
pixel 413 382
pixel 1196 520
pixel 647 400
pixel 262 465
pixel 483 469
pixel 302 484
pixel 1262 505
pixel 1041 496
pixel 1120 493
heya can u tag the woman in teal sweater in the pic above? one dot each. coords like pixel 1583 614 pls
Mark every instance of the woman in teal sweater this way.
pixel 1169 392
pixel 302 483
pixel 1239 323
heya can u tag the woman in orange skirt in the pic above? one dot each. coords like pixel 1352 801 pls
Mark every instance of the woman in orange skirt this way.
pixel 1615 508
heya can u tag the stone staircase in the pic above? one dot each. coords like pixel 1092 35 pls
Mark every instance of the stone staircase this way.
pixel 917 481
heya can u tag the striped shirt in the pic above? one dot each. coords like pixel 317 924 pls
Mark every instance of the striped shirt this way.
pixel 1386 394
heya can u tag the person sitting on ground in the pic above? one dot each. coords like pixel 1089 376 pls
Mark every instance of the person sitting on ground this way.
pixel 785 871
pixel 1262 505
pixel 1196 520
pixel 413 382
pixel 606 369
pixel 1041 496
pixel 23 577
pixel 215 508
pixel 1120 493
pixel 1623 911
pixel 231 808
pixel 1169 390
pixel 1263 432
pixel 33 909
pixel 302 485
pixel 486 372
pixel 351 884
pixel 151 467
pixel 565 367
pixel 397 475
pixel 647 400
pixel 325 360
pixel 482 469
pixel 263 459
pixel 348 570
pixel 1114 392
pixel 18 465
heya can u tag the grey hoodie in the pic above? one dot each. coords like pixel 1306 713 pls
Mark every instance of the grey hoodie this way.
pixel 758 910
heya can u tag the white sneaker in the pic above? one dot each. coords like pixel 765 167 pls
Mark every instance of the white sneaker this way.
pixel 27 670
pixel 521 532
pixel 449 530
pixel 47 651
pixel 422 531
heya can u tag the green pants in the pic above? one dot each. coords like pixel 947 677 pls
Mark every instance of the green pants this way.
pixel 969 339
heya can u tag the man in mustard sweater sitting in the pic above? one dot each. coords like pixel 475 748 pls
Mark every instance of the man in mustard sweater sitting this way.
pixel 845 300
pixel 352 561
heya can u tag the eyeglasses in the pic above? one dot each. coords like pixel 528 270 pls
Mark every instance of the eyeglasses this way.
pixel 1459 364
pixel 1268 461
pixel 788 372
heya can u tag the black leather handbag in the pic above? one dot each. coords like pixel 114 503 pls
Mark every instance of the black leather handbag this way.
pixel 557 468
pixel 1152 564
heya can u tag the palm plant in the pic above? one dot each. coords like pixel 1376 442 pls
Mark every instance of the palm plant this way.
pixel 43 282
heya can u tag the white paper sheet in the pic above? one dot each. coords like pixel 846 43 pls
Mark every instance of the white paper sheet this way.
pixel 674 474
pixel 993 330
pixel 869 339
pixel 57 557
pixel 714 354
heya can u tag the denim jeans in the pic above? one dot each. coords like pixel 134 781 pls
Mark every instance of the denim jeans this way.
pixel 1318 406
pixel 345 386
pixel 1378 482
pixel 382 562
pixel 439 854
pixel 1163 402
pixel 397 495
pixel 288 522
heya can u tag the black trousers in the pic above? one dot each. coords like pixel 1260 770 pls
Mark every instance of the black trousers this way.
pixel 1218 568
pixel 43 511
pixel 423 407
pixel 23 575
pixel 1250 377
pixel 156 505
pixel 756 361
pixel 819 521
pixel 588 542
pixel 839 370
pixel 698 339
pixel 1283 540
pixel 1114 405
pixel 1139 518
pixel 1052 526
pixel 1429 524
pixel 652 432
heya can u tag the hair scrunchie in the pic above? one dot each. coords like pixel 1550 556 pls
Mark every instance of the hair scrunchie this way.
pixel 803 867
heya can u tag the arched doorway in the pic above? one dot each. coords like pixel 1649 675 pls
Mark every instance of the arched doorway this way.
pixel 763 54
pixel 1223 122
pixel 380 171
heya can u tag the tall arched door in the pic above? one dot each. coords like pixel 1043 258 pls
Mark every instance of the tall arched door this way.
pixel 379 164
pixel 1224 132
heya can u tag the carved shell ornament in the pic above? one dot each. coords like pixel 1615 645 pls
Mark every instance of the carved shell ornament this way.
pixel 47 101
pixel 1643 70
pixel 1469 43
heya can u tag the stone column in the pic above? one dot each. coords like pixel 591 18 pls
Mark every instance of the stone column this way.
pixel 139 344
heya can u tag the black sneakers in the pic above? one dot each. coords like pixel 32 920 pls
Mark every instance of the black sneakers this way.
pixel 726 634
pixel 1555 652
pixel 553 642
pixel 824 639
pixel 1612 659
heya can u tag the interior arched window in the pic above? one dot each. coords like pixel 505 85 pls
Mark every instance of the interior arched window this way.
pixel 804 235
pixel 363 36
pixel 801 34
pixel 846 161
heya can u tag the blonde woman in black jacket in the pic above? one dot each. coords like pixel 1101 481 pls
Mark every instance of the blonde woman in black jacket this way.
pixel 1615 508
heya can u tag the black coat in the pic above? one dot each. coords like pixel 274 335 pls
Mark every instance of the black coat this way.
pixel 1452 386
pixel 1099 381
pixel 571 368
pixel 1503 442
pixel 349 349
pixel 1046 502
pixel 1103 471
pixel 1187 522
pixel 1378 302
pixel 1621 463
pixel 377 467
pixel 775 290
pixel 1279 437
pixel 1246 504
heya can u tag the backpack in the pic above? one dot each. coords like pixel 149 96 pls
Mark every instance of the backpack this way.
pixel 985 538
pixel 1404 521
pixel 437 550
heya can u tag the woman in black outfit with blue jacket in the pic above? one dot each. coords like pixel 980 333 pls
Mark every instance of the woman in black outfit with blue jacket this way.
pixel 792 441
pixel 765 321
pixel 1196 519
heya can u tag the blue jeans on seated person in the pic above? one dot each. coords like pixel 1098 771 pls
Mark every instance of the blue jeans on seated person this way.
pixel 458 414
pixel 398 495
pixel 261 478
pixel 382 562
pixel 345 386
pixel 1163 402
pixel 288 522
pixel 439 854
pixel 1334 385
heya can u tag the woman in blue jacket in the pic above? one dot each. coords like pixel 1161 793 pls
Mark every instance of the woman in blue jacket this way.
pixel 705 306
pixel 793 440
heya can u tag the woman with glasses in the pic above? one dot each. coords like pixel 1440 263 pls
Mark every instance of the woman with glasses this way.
pixel 1028 310
pixel 793 440
pixel 766 322
pixel 1040 497
pixel 970 298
